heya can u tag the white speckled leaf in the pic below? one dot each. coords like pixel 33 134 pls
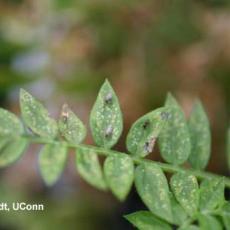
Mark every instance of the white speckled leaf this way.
pixel 200 137
pixel 70 126
pixel 119 174
pixel 179 214
pixel 106 121
pixel 144 220
pixel 225 213
pixel 144 132
pixel 36 117
pixel 174 139
pixel 208 222
pixel 89 168
pixel 12 150
pixel 152 186
pixel 186 190
pixel 52 160
pixel 211 194
pixel 10 125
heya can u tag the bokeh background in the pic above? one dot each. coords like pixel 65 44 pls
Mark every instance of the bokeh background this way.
pixel 62 50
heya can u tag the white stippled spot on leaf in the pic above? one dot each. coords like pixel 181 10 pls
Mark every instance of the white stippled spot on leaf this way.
pixel 52 160
pixel 186 190
pixel 88 166
pixel 174 140
pixel 152 186
pixel 10 125
pixel 119 174
pixel 106 121
pixel 36 117
pixel 70 126
pixel 144 132
pixel 11 150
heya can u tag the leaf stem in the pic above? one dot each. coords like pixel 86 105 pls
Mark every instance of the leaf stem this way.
pixel 106 152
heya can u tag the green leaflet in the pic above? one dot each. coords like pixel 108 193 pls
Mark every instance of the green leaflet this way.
pixel 190 227
pixel 174 139
pixel 119 174
pixel 200 137
pixel 89 168
pixel 36 117
pixel 52 160
pixel 179 214
pixel 145 220
pixel 186 190
pixel 106 121
pixel 70 126
pixel 208 222
pixel 10 125
pixel 225 213
pixel 152 186
pixel 11 150
pixel 228 148
pixel 211 194
pixel 143 133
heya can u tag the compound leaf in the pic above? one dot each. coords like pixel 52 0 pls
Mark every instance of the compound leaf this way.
pixel 143 133
pixel 145 220
pixel 211 194
pixel 200 137
pixel 89 168
pixel 70 126
pixel 106 118
pixel 10 125
pixel 11 150
pixel 36 117
pixel 119 174
pixel 174 139
pixel 186 190
pixel 152 186
pixel 52 160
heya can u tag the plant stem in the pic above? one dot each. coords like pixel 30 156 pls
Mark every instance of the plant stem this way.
pixel 164 166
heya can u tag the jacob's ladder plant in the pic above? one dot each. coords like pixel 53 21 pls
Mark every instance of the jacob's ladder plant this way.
pixel 187 199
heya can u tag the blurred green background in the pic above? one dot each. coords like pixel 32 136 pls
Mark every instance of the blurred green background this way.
pixel 62 50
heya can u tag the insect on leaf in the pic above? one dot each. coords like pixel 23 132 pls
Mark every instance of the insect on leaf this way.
pixel 145 220
pixel 36 116
pixel 11 150
pixel 119 174
pixel 106 121
pixel 70 126
pixel 186 190
pixel 174 139
pixel 89 168
pixel 211 194
pixel 152 186
pixel 200 137
pixel 10 125
pixel 144 132
pixel 52 160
